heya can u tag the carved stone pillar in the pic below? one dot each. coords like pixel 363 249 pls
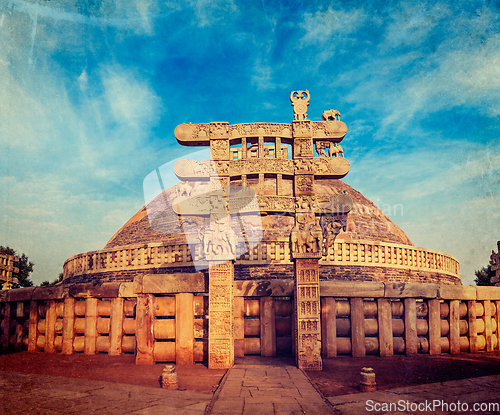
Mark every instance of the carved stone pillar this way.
pixel 307 306
pixel 221 268
pixel 307 240
pixel 220 310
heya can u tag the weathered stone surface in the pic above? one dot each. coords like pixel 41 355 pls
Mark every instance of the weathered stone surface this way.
pixel 308 313
pixel 99 290
pixel 174 283
pixel 264 288
pixel 220 334
pixel 20 294
pixel 184 331
pixel 402 290
pixel 351 289
pixel 456 292
pixel 488 293
pixel 47 293
pixel 126 290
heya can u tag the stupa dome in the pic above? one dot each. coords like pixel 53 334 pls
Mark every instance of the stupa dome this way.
pixel 365 221
pixel 269 194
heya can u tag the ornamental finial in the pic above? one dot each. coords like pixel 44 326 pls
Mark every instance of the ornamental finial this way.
pixel 300 102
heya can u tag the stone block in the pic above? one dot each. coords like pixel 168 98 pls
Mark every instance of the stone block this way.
pixel 456 292
pixel 263 288
pixel 174 283
pixel 351 289
pixel 20 294
pixel 410 290
pixel 487 293
pixel 48 293
pixel 137 284
pixel 126 290
pixel 93 290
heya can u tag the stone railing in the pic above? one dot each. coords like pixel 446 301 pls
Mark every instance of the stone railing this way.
pixel 379 254
pixel 164 318
pixel 350 253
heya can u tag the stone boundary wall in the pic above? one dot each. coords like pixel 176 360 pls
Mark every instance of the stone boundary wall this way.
pixel 388 259
pixel 163 318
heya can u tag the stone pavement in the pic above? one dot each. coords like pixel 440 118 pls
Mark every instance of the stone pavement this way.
pixel 477 395
pixel 257 385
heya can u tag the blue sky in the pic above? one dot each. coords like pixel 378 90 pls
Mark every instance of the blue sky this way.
pixel 91 92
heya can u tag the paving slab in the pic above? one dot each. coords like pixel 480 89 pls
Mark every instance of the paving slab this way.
pixel 467 391
pixel 268 386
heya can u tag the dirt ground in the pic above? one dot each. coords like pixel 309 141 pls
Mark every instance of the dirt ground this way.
pixel 340 376
pixel 120 369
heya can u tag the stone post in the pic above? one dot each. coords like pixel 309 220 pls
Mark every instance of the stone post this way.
pixel 184 329
pixel 239 326
pixel 471 319
pixel 68 325
pixel 90 325
pixel 33 327
pixel 6 326
pixel 144 329
pixel 220 319
pixel 385 334
pixel 267 327
pixel 307 296
pixel 454 321
pixel 329 326
pixel 434 320
pixel 487 325
pixel 357 327
pixel 221 267
pixel 410 316
pixel 116 329
pixel 307 315
pixel 50 327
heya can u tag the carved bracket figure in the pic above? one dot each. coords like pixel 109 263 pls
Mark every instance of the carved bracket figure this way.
pixel 332 225
pixel 321 146
pixel 300 102
pixel 307 237
pixel 335 150
pixel 331 115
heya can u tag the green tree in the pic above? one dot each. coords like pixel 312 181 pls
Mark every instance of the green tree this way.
pixel 25 268
pixel 484 275
pixel 56 281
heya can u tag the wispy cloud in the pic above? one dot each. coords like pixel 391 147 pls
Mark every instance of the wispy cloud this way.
pixel 213 12
pixel 329 26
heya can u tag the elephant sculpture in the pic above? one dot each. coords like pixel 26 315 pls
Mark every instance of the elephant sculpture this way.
pixel 331 115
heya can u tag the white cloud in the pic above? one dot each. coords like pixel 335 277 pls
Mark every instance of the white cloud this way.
pixel 132 102
pixel 411 23
pixel 212 12
pixel 132 15
pixel 326 27
pixel 262 76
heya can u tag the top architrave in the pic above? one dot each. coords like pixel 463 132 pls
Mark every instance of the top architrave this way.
pixel 201 134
